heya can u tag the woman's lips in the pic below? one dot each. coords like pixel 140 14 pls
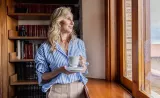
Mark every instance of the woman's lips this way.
pixel 71 27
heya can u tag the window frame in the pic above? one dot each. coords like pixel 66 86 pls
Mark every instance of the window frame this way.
pixel 124 80
pixel 140 34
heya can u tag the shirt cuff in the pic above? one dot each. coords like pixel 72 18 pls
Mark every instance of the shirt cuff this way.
pixel 39 78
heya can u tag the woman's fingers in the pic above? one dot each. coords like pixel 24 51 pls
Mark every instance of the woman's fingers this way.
pixel 82 61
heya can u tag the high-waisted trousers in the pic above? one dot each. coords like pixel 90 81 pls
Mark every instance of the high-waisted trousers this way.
pixel 71 90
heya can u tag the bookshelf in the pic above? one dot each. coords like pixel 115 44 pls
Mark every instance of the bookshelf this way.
pixel 30 16
pixel 24 40
pixel 13 58
pixel 14 81
pixel 13 35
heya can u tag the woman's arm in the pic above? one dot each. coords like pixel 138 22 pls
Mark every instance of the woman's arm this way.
pixel 50 75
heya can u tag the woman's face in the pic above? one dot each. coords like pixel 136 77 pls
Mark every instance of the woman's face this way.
pixel 67 24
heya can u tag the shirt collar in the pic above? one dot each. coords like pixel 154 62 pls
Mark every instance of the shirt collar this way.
pixel 58 47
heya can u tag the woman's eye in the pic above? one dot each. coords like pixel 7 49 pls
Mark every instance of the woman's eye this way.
pixel 68 18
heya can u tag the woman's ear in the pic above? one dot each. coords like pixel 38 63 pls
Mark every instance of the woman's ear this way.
pixel 62 22
pixel 60 19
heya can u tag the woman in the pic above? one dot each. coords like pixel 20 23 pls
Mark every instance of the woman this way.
pixel 52 58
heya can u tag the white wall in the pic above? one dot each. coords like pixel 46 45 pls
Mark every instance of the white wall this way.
pixel 93 35
pixel 93 19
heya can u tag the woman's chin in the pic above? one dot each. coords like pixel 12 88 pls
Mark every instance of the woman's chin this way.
pixel 70 31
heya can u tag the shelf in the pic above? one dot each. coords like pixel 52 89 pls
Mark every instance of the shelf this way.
pixel 28 38
pixel 21 60
pixel 13 35
pixel 24 83
pixel 13 58
pixel 30 16
pixel 13 81
pixel 56 4
pixel 60 2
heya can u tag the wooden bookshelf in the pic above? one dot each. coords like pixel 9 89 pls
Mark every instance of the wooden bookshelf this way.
pixel 24 41
pixel 55 4
pixel 14 59
pixel 24 83
pixel 13 35
pixel 14 81
pixel 30 16
pixel 51 2
pixel 28 38
pixel 21 60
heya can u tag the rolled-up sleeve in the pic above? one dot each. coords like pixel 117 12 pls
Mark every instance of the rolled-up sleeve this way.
pixel 83 50
pixel 41 64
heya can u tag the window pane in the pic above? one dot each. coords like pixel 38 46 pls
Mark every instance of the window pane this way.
pixel 152 52
pixel 155 48
pixel 128 39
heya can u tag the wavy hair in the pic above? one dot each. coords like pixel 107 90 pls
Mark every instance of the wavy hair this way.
pixel 54 30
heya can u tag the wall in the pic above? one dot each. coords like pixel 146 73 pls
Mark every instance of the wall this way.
pixel 93 19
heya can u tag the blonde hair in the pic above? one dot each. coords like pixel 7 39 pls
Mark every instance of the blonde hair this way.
pixel 55 27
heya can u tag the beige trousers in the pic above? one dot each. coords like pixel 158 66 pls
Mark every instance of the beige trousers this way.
pixel 72 90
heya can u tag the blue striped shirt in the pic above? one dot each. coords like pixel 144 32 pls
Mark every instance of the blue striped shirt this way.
pixel 47 61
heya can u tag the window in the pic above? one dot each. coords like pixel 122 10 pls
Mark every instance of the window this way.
pixel 134 46
pixel 128 38
pixel 151 51
pixel 125 28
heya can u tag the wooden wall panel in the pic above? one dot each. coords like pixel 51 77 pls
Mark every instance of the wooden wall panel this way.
pixel 0 50
pixel 3 46
pixel 111 40
pixel 11 25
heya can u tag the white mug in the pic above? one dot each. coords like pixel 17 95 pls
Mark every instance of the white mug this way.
pixel 73 61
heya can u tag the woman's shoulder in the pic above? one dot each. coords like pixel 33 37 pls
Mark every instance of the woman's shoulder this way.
pixel 45 45
pixel 79 41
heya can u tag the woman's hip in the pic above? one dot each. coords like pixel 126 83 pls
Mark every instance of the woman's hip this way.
pixel 71 90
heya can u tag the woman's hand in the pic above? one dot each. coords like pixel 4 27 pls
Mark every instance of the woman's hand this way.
pixel 63 70
pixel 82 63
pixel 49 75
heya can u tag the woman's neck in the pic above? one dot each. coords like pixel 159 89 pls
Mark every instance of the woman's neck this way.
pixel 65 37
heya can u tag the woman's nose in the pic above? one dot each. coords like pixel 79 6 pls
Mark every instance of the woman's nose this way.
pixel 72 22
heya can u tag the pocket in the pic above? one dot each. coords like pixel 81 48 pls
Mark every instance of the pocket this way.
pixel 55 92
